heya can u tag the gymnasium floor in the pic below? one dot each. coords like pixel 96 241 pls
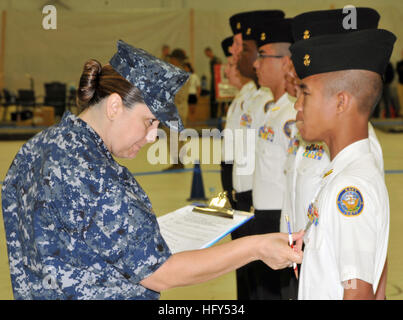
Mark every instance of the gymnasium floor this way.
pixel 169 191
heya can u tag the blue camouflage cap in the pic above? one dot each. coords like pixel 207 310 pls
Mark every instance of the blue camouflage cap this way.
pixel 158 81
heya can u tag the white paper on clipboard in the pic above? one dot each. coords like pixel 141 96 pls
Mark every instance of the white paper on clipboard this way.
pixel 185 230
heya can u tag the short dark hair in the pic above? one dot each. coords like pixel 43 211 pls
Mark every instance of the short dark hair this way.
pixel 366 86
pixel 179 54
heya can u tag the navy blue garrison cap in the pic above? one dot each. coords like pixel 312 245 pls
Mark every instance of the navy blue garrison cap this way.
pixel 158 81
pixel 273 32
pixel 244 22
pixel 226 44
pixel 368 49
pixel 323 22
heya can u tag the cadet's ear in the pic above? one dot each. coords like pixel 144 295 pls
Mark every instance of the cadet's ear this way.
pixel 343 102
pixel 286 64
pixel 114 106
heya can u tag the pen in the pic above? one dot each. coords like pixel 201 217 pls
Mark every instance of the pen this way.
pixel 294 265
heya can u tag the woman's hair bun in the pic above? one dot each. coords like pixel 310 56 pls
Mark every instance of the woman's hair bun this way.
pixel 88 83
pixel 97 83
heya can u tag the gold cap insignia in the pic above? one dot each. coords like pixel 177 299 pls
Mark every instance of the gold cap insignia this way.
pixel 263 36
pixel 307 60
pixel 248 31
pixel 307 35
pixel 238 25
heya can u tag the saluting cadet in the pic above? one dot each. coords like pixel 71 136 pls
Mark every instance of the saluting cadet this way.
pixel 273 38
pixel 347 234
pixel 304 173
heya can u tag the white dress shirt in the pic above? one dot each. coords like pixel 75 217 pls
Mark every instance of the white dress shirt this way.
pixel 245 138
pixel 233 121
pixel 349 235
pixel 273 139
pixel 303 177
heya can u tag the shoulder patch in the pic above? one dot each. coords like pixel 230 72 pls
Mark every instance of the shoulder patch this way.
pixel 287 127
pixel 267 105
pixel 350 202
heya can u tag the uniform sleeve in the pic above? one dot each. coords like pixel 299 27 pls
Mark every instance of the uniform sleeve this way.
pixel 354 234
pixel 117 225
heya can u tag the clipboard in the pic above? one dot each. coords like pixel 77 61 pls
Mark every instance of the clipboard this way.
pixel 188 229
pixel 218 206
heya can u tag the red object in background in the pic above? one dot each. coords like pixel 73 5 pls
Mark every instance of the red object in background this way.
pixel 223 90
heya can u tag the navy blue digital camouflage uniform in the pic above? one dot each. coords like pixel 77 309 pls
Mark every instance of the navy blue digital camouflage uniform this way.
pixel 78 224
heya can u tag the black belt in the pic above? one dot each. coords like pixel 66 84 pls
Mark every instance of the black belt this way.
pixel 239 196
pixel 269 214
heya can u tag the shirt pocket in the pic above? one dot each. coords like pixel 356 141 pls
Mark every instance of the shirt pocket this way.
pixel 310 166
pixel 273 159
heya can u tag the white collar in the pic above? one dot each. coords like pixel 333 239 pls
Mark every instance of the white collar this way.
pixel 348 155
pixel 284 100
pixel 248 86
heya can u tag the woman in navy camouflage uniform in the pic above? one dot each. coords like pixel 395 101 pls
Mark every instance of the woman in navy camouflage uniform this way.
pixel 78 224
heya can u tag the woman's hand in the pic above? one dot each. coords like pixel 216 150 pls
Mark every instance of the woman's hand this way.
pixel 276 252
pixel 196 266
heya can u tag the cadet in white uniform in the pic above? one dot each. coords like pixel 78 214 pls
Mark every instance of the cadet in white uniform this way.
pixel 252 109
pixel 231 120
pixel 304 176
pixel 271 152
pixel 311 158
pixel 346 240
pixel 304 167
pixel 251 115
pixel 274 133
